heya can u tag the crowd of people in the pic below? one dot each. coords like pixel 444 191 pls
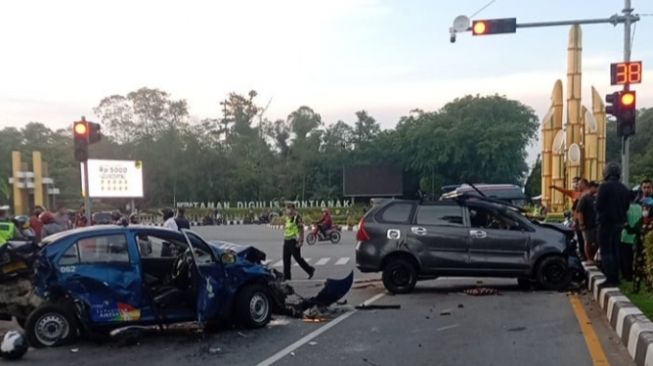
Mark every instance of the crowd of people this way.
pixel 40 224
pixel 613 226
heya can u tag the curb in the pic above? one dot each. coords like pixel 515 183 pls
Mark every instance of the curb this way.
pixel 631 325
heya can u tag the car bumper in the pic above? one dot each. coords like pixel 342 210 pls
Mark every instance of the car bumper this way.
pixel 368 259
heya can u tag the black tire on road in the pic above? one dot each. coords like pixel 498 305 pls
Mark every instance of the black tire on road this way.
pixel 335 237
pixel 553 273
pixel 253 306
pixel 399 276
pixel 51 325
pixel 311 239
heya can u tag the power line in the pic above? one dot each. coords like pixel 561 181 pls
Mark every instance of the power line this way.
pixel 483 8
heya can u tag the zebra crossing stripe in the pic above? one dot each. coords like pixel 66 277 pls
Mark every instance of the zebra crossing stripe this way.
pixel 322 261
pixel 342 261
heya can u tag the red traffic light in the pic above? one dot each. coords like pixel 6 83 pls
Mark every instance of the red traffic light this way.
pixel 627 99
pixel 80 128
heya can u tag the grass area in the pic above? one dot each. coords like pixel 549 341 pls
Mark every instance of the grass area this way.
pixel 643 300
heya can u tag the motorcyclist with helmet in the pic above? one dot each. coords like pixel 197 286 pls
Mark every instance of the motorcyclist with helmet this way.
pixel 24 228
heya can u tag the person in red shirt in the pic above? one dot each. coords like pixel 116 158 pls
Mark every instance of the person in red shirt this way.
pixel 35 223
pixel 325 222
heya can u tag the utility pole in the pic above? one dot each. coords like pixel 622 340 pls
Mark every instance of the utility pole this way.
pixel 625 151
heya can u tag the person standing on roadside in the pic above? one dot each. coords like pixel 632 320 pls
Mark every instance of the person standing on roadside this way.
pixel 645 227
pixel 612 203
pixel 629 236
pixel 293 239
pixel 80 218
pixel 169 219
pixel 647 188
pixel 586 216
pixel 181 220
pixel 61 217
pixel 36 223
pixel 579 185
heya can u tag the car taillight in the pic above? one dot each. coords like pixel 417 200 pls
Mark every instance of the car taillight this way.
pixel 362 234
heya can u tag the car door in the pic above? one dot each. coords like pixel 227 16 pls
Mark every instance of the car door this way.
pixel 210 279
pixel 102 270
pixel 497 241
pixel 441 230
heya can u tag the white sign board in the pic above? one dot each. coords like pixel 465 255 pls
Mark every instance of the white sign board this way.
pixel 114 178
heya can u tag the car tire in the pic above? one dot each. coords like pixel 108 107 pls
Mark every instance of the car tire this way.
pixel 399 276
pixel 553 273
pixel 335 237
pixel 311 239
pixel 51 325
pixel 253 306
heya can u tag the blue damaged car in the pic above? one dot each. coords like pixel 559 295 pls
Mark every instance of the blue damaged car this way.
pixel 98 279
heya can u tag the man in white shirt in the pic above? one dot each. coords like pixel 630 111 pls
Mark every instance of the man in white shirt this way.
pixel 169 219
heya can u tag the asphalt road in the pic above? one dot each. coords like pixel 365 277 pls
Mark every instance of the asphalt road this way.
pixel 436 325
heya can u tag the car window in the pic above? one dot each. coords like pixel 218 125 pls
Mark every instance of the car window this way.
pixel 485 218
pixel 155 246
pixel 99 249
pixel 398 212
pixel 440 215
pixel 202 250
pixel 70 256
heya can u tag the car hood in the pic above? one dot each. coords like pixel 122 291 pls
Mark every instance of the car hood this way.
pixel 247 252
pixel 557 227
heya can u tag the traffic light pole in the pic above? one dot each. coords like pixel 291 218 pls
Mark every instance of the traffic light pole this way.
pixel 625 150
pixel 87 197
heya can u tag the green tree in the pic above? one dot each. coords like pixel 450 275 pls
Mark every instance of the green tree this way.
pixel 533 186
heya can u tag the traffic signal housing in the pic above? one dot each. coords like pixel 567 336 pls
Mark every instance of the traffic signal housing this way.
pixel 84 134
pixel 623 106
pixel 80 137
pixel 494 26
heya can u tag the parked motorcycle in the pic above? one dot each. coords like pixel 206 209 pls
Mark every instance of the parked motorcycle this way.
pixel 333 235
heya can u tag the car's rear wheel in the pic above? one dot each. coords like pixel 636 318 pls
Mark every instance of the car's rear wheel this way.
pixel 311 239
pixel 253 306
pixel 51 325
pixel 335 237
pixel 399 276
pixel 553 273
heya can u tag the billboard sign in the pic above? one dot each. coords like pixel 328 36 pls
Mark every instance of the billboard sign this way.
pixel 114 178
pixel 373 181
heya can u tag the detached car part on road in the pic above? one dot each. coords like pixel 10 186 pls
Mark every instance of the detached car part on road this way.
pixel 94 280
pixel 464 236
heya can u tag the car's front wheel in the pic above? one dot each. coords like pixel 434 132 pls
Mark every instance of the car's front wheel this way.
pixel 399 276
pixel 553 273
pixel 253 306
pixel 51 325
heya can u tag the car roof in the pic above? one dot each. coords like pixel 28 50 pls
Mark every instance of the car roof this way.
pixel 111 228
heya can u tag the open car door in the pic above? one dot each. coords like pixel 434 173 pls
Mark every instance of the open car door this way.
pixel 210 278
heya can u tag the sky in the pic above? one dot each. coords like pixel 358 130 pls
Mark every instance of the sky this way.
pixel 60 58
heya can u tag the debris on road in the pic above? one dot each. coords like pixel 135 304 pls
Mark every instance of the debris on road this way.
pixel 481 291
pixel 377 307
pixel 14 345
pixel 214 350
pixel 243 335
pixel 460 306
pixel 445 312
pixel 313 343
pixel 516 329
pixel 74 350
pixel 447 327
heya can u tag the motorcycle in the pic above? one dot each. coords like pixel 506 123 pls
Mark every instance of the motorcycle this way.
pixel 332 234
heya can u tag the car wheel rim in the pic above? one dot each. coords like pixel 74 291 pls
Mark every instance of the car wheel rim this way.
pixel 259 307
pixel 555 273
pixel 51 328
pixel 401 276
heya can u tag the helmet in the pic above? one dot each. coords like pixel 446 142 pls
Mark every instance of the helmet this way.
pixel 167 213
pixel 612 169
pixel 22 221
pixel 46 218
pixel 14 345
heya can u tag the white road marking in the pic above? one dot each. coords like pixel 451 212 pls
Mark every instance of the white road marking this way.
pixel 342 261
pixel 278 264
pixel 322 261
pixel 309 337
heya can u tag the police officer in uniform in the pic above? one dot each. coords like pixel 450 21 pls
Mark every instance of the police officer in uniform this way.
pixel 293 239
pixel 7 227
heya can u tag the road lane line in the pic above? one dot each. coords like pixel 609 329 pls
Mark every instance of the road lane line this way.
pixel 593 344
pixel 309 337
pixel 342 261
pixel 322 261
